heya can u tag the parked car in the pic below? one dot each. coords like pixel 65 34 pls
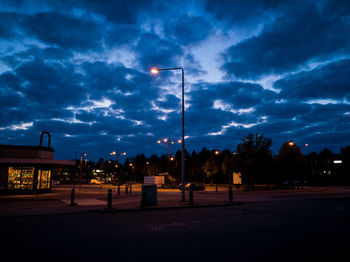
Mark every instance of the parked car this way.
pixel 192 186
pixel 95 182
pixel 293 183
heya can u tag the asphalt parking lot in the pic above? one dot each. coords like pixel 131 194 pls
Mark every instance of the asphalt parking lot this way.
pixel 313 229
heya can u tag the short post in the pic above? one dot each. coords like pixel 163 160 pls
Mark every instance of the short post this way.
pixel 216 188
pixel 118 192
pixel 130 189
pixel 109 199
pixel 230 194
pixel 126 189
pixel 72 196
pixel 143 197
pixel 191 196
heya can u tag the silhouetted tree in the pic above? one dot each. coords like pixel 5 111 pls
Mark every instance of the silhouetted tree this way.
pixel 255 159
pixel 291 163
pixel 140 164
pixel 212 168
pixel 229 165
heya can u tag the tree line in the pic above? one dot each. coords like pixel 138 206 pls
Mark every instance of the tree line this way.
pixel 253 159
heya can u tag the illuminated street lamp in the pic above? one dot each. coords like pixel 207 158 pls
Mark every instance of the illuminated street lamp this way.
pixel 169 141
pixel 217 152
pixel 156 71
pixel 291 143
pixel 116 153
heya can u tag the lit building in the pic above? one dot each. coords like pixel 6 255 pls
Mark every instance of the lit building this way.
pixel 25 169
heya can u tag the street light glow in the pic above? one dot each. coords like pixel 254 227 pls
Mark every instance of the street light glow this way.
pixel 154 71
pixel 291 143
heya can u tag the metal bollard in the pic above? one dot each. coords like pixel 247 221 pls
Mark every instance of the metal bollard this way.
pixel 230 194
pixel 109 199
pixel 216 188
pixel 143 197
pixel 72 196
pixel 126 189
pixel 118 192
pixel 191 196
pixel 130 189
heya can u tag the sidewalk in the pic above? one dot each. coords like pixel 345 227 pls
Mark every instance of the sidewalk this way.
pixel 94 199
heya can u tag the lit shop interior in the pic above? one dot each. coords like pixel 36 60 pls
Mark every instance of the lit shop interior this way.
pixel 26 169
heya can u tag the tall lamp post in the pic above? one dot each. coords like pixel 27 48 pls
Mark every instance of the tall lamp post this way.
pixel 155 71
pixel 81 166
pixel 117 154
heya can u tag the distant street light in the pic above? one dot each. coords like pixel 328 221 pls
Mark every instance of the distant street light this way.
pixel 169 141
pixel 156 71
pixel 291 143
pixel 116 153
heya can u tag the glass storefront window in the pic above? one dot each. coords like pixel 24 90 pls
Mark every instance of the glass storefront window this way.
pixel 20 177
pixel 44 179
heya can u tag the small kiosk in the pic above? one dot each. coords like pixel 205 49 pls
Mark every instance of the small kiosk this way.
pixel 28 169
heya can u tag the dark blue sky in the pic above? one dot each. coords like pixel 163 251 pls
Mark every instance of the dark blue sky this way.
pixel 80 70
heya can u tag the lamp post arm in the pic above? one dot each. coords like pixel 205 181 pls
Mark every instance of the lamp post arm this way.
pixel 172 68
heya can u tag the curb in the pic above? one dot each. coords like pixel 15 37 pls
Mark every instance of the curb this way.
pixel 124 210
pixel 152 208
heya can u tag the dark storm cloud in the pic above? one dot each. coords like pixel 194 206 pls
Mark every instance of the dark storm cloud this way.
pixel 49 54
pixel 284 110
pixel 121 11
pixel 216 105
pixel 237 94
pixel 65 31
pixel 330 81
pixel 49 83
pixel 235 12
pixel 121 35
pixel 19 104
pixel 169 102
pixel 326 114
pixel 188 29
pixel 9 25
pixel 153 51
pixel 292 40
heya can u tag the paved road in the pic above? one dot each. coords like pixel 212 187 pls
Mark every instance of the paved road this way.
pixel 302 230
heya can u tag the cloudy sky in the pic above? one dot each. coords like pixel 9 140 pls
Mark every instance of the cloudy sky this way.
pixel 81 70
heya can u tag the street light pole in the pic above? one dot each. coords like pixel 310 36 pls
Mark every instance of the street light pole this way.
pixel 81 166
pixel 155 71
